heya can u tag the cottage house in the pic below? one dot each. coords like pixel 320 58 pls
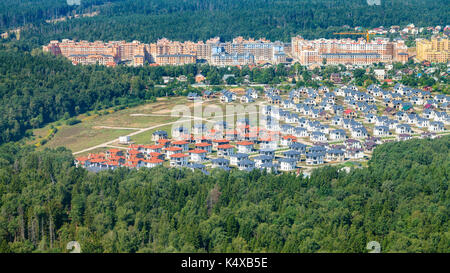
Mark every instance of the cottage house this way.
pixel 178 160
pixel 287 164
pixel 235 158
pixel 313 158
pixel 198 155
pixel 225 150
pixel 246 165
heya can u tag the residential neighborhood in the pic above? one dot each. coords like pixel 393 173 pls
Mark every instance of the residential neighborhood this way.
pixel 297 130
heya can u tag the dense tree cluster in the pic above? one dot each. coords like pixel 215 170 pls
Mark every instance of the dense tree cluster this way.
pixel 400 200
pixel 203 19
pixel 19 13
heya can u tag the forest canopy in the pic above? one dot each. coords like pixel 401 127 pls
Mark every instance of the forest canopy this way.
pixel 401 200
pixel 203 19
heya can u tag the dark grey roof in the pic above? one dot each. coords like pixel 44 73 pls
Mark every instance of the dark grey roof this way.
pixel 220 161
pixel 287 160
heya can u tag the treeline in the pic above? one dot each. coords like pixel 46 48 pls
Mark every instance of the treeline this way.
pixel 19 13
pixel 401 200
pixel 148 21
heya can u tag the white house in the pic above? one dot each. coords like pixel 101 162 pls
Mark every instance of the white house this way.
pixel 381 131
pixel 314 158
pixel 244 146
pixel 318 137
pixel 246 165
pixel 198 155
pixel 159 135
pixel 153 162
pixel 225 150
pixel 262 159
pixel 335 155
pixel 436 126
pixel 338 134
pixel 358 132
pixel 403 129
pixel 124 140
pixel 354 153
pixel 220 163
pixel 235 158
pixel 287 140
pixel 287 164
pixel 173 150
pixel 178 160
pixel 204 146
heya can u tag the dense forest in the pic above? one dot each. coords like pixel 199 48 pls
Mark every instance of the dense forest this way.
pixel 203 19
pixel 19 13
pixel 400 200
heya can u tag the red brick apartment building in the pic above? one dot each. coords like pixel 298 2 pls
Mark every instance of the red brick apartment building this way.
pixel 111 53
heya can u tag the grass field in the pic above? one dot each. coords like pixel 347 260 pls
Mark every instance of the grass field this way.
pixel 146 137
pixel 83 135
pixel 106 125
pixel 91 131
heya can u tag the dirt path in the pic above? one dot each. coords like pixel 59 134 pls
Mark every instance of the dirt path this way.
pixel 141 130
pixel 108 143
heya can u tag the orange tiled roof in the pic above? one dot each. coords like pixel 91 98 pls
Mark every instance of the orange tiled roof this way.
pixel 98 160
pixel 178 155
pixel 244 143
pixel 289 137
pixel 203 144
pixel 225 146
pixel 197 151
pixel 154 160
pixel 180 142
pixel 82 158
pixel 174 149
pixel 221 140
pixel 112 163
pixel 152 147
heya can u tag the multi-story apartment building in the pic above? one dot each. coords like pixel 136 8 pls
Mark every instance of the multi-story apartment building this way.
pixel 129 51
pixel 347 51
pixel 262 51
pixel 111 53
pixel 242 51
pixel 436 50
pixel 175 59
pixel 235 59
pixel 100 59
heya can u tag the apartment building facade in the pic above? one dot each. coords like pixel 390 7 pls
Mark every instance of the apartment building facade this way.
pixel 435 50
pixel 110 54
pixel 166 52
pixel 347 51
